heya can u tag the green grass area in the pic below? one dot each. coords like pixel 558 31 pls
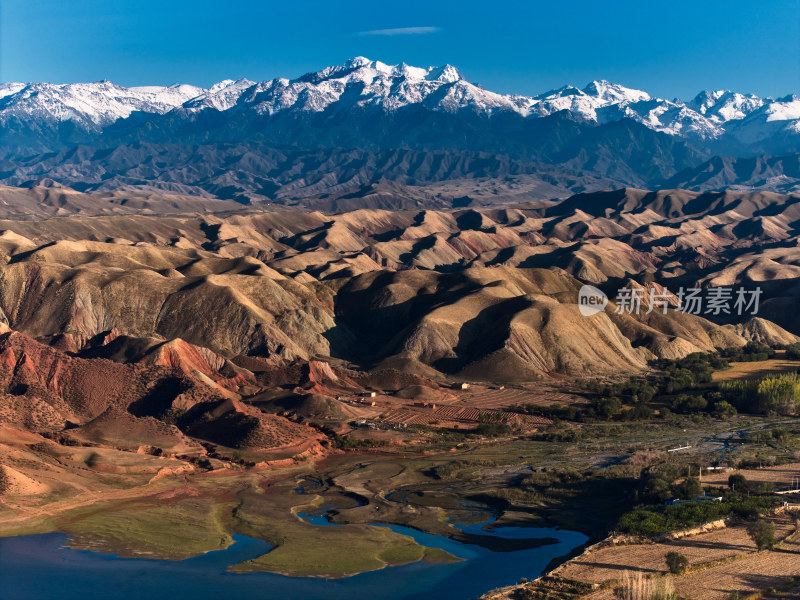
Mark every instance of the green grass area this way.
pixel 304 550
pixel 173 530
pixel 28 527
pixel 437 555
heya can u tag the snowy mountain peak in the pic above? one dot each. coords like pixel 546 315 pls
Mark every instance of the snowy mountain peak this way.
pixel 221 85
pixel 721 106
pixel 12 87
pixel 356 62
pixel 93 104
pixel 706 98
pixel 363 69
pixel 220 96
pixel 445 74
pixel 612 93
pixel 567 90
pixel 372 85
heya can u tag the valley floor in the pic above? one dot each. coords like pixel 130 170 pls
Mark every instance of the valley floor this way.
pixel 138 505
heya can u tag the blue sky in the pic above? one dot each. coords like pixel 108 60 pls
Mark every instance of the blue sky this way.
pixel 671 49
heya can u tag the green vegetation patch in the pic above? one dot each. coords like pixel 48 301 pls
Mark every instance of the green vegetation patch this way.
pixel 27 527
pixel 173 531
pixel 306 550
pixel 437 555
pixel 587 501
pixel 683 386
pixel 658 520
pixel 777 394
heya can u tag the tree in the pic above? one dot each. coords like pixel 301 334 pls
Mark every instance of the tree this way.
pixel 694 404
pixel 608 407
pixel 676 562
pixel 658 488
pixel 779 394
pixel 738 482
pixel 689 489
pixel 493 429
pixel 646 393
pixel 762 534
pixel 724 410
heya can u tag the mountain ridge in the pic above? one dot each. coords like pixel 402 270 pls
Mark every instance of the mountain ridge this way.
pixel 366 125
pixel 391 87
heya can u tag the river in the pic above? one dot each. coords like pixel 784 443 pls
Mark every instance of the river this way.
pixel 40 567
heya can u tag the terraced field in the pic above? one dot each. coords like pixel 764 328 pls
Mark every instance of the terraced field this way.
pixel 753 572
pixel 610 562
pixel 486 397
pixel 741 575
pixel 723 563
pixel 452 415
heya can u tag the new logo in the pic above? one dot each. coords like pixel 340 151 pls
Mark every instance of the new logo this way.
pixel 591 300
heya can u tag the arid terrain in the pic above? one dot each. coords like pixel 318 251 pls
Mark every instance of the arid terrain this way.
pixel 174 360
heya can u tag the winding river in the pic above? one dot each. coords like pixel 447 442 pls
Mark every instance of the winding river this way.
pixel 40 567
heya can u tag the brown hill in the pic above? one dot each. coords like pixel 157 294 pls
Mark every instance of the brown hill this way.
pixel 457 292
pixel 764 332
pixel 131 405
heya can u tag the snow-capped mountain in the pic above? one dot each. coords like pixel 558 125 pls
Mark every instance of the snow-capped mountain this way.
pixel 220 96
pixel 367 84
pixel 42 116
pixel 89 104
pixel 778 118
pixel 363 83
pixel 596 96
pixel 722 105
pixel 7 89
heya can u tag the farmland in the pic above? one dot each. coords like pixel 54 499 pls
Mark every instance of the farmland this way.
pixel 459 409
pixel 700 549
pixel 746 370
pixel 721 562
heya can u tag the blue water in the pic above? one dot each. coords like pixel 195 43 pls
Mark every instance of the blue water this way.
pixel 39 567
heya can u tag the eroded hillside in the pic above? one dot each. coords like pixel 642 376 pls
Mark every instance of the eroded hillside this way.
pixel 453 291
